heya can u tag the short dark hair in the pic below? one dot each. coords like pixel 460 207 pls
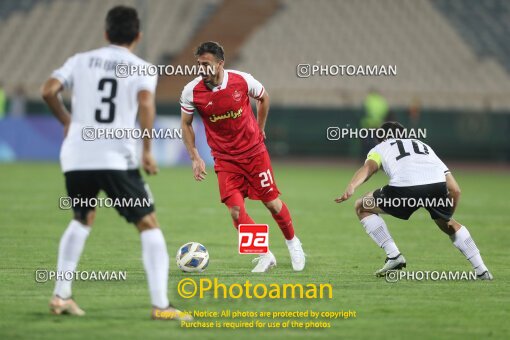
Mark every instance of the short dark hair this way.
pixel 211 47
pixel 390 129
pixel 122 25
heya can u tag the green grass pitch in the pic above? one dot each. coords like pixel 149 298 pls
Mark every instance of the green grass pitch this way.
pixel 339 252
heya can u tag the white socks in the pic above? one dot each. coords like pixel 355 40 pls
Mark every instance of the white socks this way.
pixel 291 243
pixel 463 241
pixel 376 228
pixel 155 261
pixel 71 246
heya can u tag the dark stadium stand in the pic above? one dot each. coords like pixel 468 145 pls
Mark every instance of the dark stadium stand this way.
pixel 484 25
pixel 9 7
pixel 449 54
pixel 232 22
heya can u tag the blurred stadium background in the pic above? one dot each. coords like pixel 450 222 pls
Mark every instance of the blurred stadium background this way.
pixel 452 57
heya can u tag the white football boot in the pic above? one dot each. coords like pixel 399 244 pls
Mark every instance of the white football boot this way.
pixel 297 255
pixel 265 262
pixel 60 306
pixel 486 275
pixel 395 263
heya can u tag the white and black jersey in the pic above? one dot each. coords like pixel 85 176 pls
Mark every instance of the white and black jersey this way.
pixel 408 162
pixel 101 99
pixel 417 179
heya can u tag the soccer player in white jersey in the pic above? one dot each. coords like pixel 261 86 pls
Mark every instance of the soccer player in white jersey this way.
pixel 103 100
pixel 416 175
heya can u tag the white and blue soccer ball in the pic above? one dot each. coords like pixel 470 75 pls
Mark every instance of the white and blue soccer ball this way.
pixel 192 257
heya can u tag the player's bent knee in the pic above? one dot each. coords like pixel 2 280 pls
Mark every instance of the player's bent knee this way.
pixel 234 212
pixel 448 227
pixel 358 206
pixel 85 219
pixel 454 225
pixel 362 212
pixel 147 222
pixel 274 206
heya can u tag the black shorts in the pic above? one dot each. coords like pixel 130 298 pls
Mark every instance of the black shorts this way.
pixel 125 188
pixel 436 193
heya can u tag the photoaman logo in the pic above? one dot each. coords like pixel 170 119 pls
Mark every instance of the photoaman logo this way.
pixel 253 238
pixel 188 288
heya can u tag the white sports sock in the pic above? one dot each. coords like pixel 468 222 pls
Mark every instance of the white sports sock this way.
pixel 463 241
pixel 70 248
pixel 376 228
pixel 292 242
pixel 155 261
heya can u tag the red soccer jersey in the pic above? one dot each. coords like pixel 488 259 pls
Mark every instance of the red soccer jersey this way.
pixel 231 127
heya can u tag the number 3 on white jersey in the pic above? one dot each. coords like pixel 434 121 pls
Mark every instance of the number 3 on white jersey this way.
pixel 267 179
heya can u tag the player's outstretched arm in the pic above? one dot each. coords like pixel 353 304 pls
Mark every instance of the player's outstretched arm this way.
pixel 453 190
pixel 50 92
pixel 361 176
pixel 147 114
pixel 188 137
pixel 262 112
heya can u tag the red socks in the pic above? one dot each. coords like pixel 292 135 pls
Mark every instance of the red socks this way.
pixel 282 218
pixel 285 222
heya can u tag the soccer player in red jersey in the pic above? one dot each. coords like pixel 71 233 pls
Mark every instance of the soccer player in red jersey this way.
pixel 236 138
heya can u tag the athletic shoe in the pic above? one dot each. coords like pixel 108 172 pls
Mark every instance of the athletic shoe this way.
pixel 265 262
pixel 486 275
pixel 297 255
pixel 60 306
pixel 394 263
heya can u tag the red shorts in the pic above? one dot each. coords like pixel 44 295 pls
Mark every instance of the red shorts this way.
pixel 252 177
